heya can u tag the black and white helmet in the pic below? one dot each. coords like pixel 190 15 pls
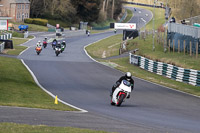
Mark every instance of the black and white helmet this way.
pixel 128 76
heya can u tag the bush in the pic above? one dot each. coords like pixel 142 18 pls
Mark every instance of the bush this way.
pixel 28 20
pixel 16 34
pixel 37 21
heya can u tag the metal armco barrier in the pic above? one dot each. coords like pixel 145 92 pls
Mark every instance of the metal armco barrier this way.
pixel 189 76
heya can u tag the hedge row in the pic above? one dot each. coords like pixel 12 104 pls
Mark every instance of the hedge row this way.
pixel 37 21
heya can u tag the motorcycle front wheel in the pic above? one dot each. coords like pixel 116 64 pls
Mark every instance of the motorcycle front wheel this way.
pixel 112 103
pixel 120 100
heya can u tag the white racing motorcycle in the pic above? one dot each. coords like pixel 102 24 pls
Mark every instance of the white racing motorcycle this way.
pixel 121 93
pixel 57 51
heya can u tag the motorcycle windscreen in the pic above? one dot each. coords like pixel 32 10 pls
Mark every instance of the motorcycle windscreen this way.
pixel 125 85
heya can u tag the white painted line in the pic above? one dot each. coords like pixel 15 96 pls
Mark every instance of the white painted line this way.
pixel 26 46
pixel 36 81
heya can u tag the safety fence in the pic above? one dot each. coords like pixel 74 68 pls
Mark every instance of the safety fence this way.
pixel 2 45
pixel 184 30
pixel 6 36
pixel 189 76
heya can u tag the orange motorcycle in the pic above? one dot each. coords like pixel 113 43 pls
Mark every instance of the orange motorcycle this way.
pixel 38 50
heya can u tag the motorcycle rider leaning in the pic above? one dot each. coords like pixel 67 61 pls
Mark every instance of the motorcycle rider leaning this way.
pixel 64 43
pixel 58 45
pixel 118 82
pixel 39 44
pixel 45 39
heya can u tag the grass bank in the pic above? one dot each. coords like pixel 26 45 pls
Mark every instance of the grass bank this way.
pixel 22 128
pixel 106 48
pixel 17 88
pixel 17 48
pixel 33 27
pixel 128 17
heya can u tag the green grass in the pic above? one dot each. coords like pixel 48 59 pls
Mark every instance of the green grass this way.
pixel 62 23
pixel 16 34
pixel 17 49
pixel 178 59
pixel 17 88
pixel 129 16
pixel 33 27
pixel 22 128
pixel 105 48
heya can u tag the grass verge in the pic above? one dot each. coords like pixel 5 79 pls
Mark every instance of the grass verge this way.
pixel 16 46
pixel 129 16
pixel 33 27
pixel 17 88
pixel 22 128
pixel 105 48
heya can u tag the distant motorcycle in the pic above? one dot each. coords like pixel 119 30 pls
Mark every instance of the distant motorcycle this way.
pixel 57 51
pixel 62 48
pixel 38 50
pixel 44 44
pixel 121 93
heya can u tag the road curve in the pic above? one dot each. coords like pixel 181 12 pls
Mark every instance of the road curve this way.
pixel 80 81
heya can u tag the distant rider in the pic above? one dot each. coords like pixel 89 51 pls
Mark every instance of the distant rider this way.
pixel 55 40
pixel 64 43
pixel 118 82
pixel 39 44
pixel 45 39
pixel 58 45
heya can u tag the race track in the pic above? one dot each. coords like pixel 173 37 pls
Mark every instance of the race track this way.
pixel 78 80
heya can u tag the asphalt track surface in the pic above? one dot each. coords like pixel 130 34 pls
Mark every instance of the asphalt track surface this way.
pixel 78 80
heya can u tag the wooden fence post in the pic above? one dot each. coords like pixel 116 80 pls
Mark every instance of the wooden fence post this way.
pixel 190 48
pixel 169 46
pixel 178 46
pixel 197 51
pixel 184 46
pixel 173 45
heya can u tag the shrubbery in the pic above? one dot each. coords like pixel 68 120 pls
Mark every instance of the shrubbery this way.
pixel 37 21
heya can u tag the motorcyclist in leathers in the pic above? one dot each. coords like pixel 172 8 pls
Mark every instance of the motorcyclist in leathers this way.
pixel 118 82
pixel 58 45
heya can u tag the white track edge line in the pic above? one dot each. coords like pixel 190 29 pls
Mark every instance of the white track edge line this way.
pixel 36 81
